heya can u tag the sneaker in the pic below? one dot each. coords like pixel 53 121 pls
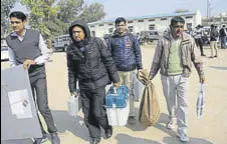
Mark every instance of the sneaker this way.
pixel 215 56
pixel 211 57
pixel 183 137
pixel 171 124
pixel 131 119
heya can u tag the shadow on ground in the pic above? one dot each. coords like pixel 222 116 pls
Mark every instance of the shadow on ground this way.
pixel 218 67
pixel 126 139
pixel 175 140
pixel 64 123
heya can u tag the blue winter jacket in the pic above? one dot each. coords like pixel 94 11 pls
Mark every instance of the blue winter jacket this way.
pixel 125 51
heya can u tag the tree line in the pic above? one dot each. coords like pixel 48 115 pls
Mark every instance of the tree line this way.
pixel 52 17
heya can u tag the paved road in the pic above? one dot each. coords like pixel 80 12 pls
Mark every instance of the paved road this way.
pixel 211 129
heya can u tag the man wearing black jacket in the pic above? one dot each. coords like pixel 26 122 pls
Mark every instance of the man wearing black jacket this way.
pixel 90 63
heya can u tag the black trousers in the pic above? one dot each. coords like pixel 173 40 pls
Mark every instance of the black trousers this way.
pixel 94 111
pixel 199 42
pixel 39 90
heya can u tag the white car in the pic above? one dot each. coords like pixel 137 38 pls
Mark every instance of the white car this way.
pixel 4 53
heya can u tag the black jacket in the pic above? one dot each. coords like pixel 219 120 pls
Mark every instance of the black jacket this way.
pixel 94 67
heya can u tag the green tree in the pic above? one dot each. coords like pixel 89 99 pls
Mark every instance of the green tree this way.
pixel 93 12
pixel 6 6
pixel 70 9
pixel 53 20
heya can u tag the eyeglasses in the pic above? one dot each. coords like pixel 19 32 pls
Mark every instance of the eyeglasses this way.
pixel 15 22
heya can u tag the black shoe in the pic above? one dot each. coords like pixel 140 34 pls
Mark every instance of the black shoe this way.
pixel 95 141
pixel 211 57
pixel 54 138
pixel 40 140
pixel 203 55
pixel 109 132
pixel 215 56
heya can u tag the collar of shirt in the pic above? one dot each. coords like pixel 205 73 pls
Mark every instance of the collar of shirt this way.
pixel 14 34
pixel 178 40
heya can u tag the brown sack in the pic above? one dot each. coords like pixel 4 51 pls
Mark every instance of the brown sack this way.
pixel 149 111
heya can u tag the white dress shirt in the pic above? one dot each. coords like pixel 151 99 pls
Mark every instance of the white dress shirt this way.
pixel 46 53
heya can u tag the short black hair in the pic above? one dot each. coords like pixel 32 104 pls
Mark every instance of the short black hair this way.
pixel 177 19
pixel 19 15
pixel 119 20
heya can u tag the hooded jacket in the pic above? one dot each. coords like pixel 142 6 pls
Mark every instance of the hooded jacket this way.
pixel 126 51
pixel 89 62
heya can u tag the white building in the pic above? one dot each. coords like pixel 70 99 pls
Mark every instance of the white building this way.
pixel 158 22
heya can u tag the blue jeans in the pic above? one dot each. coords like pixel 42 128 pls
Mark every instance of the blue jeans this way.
pixel 223 42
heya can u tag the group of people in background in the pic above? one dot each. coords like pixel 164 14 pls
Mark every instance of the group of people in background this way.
pixel 94 65
pixel 215 35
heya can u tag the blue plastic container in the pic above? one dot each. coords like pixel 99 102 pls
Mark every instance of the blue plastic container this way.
pixel 117 97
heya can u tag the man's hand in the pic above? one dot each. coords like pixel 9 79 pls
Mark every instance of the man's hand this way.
pixel 202 79
pixel 74 94
pixel 27 63
pixel 115 85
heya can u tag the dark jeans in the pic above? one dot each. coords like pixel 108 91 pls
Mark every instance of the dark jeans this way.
pixel 199 42
pixel 223 42
pixel 39 89
pixel 94 111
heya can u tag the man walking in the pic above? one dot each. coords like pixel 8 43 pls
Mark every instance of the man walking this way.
pixel 27 47
pixel 126 52
pixel 90 63
pixel 213 41
pixel 223 37
pixel 174 54
pixel 198 38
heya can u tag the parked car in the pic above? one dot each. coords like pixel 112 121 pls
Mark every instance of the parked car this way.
pixel 148 36
pixel 61 43
pixel 4 53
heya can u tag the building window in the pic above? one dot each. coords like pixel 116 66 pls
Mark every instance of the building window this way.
pixel 110 24
pixel 163 19
pixel 130 21
pixel 151 20
pixel 140 20
pixel 151 27
pixel 130 28
pixel 110 30
pixel 101 25
pixel 189 17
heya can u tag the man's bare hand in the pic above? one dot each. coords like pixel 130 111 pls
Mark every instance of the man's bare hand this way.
pixel 202 79
pixel 27 63
pixel 115 85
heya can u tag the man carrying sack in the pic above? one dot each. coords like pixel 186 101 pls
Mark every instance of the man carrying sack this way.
pixel 174 55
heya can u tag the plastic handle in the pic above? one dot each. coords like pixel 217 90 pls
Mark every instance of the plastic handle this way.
pixel 115 90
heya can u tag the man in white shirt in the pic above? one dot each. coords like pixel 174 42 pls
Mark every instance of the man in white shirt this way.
pixel 27 47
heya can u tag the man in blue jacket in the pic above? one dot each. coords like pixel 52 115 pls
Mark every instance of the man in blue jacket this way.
pixel 126 52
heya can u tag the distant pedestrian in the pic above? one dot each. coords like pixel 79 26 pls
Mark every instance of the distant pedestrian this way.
pixel 223 37
pixel 198 38
pixel 174 54
pixel 214 34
